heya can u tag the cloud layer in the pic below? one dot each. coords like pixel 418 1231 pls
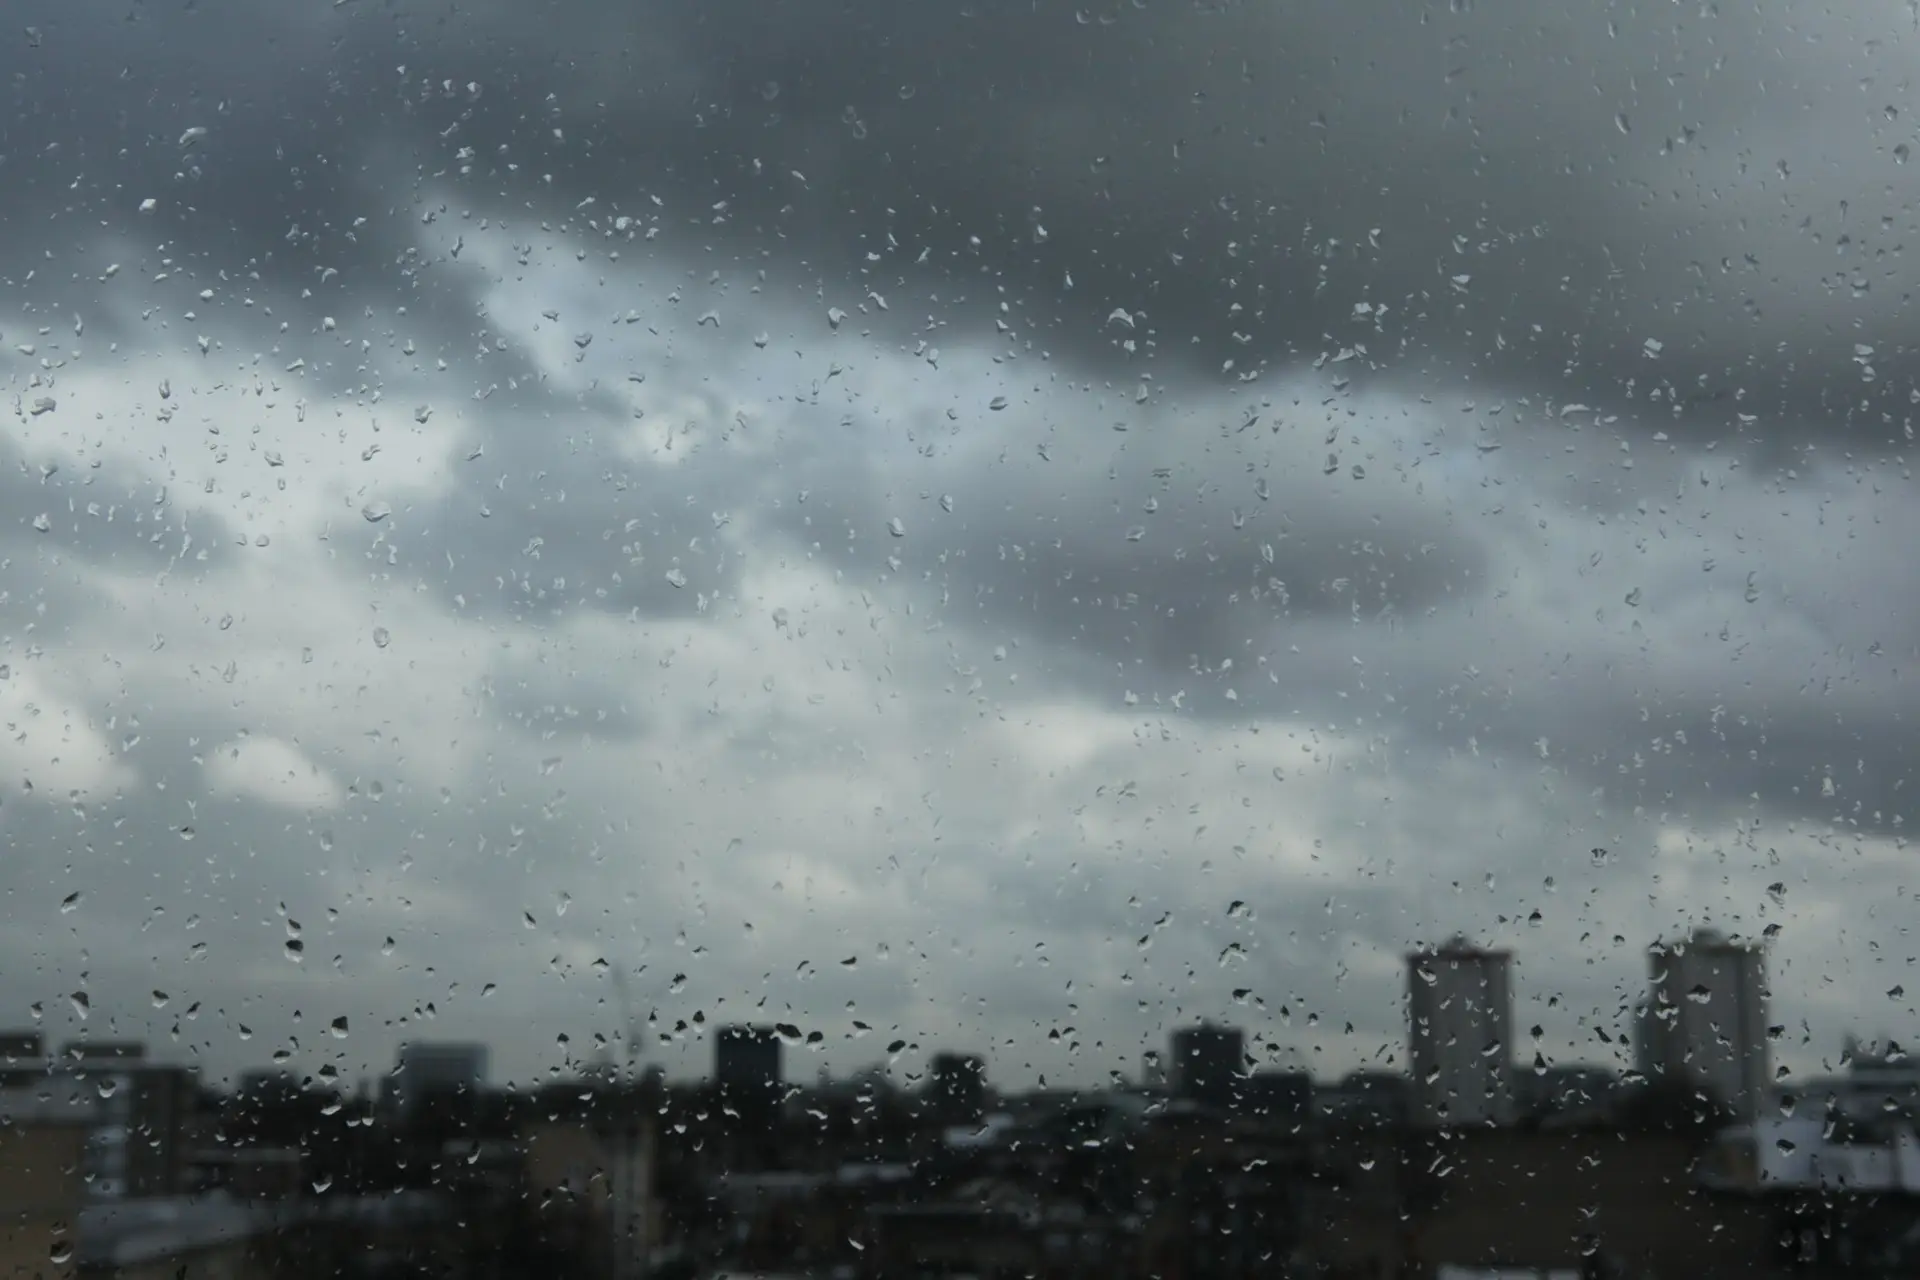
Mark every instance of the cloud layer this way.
pixel 1003 526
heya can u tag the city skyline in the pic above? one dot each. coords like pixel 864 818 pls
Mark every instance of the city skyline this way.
pixel 1450 1000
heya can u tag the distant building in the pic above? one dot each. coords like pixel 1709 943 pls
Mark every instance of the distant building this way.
pixel 1363 1100
pixel 1705 1020
pixel 427 1068
pixel 957 1089
pixel 1459 1025
pixel 596 1171
pixel 1566 1090
pixel 746 1067
pixel 146 1113
pixel 1279 1097
pixel 103 1051
pixel 1880 1080
pixel 43 1175
pixel 22 1046
pixel 1208 1064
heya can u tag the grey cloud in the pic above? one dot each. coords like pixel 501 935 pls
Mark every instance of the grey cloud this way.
pixel 542 699
pixel 1242 177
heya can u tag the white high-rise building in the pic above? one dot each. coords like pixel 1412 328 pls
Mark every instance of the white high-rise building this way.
pixel 1705 1020
pixel 1460 1035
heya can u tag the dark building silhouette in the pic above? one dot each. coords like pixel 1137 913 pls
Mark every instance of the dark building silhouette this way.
pixel 1208 1065
pixel 21 1045
pixel 427 1069
pixel 1279 1097
pixel 746 1068
pixel 957 1089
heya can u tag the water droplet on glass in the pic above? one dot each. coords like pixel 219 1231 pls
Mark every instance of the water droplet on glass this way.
pixel 43 522
pixel 375 512
pixel 997 403
pixel 675 578
pixel 897 527
pixel 382 637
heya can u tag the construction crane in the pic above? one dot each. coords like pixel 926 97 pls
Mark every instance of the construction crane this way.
pixel 629 1024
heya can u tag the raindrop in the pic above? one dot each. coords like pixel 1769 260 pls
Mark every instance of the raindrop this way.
pixel 1633 598
pixel 997 403
pixel 82 1006
pixel 43 522
pixel 675 578
pixel 897 527
pixel 69 902
pixel 382 637
pixel 375 512
pixel 339 1027
pixel 193 135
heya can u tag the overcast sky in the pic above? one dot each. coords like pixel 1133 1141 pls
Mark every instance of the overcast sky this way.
pixel 999 526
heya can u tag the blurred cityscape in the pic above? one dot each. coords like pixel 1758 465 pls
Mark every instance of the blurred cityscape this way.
pixel 1480 1159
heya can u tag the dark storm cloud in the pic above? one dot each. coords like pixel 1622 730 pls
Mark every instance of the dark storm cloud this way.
pixel 1181 544
pixel 1532 195
pixel 1598 202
